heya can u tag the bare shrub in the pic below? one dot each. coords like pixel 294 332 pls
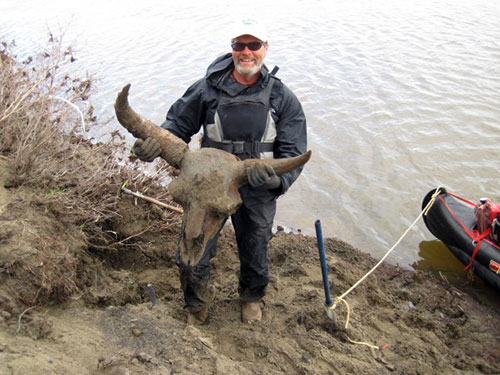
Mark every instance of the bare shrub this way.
pixel 73 181
pixel 43 138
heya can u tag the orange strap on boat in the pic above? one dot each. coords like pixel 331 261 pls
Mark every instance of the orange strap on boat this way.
pixel 477 237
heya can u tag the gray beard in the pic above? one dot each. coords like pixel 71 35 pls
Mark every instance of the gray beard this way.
pixel 256 69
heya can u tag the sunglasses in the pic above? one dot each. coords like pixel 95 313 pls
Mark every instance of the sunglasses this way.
pixel 252 46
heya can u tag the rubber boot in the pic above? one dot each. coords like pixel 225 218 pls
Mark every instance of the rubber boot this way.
pixel 251 312
pixel 198 317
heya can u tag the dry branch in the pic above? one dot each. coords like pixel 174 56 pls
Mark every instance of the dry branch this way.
pixel 152 200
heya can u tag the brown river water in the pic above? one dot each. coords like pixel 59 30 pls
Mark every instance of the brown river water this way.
pixel 400 96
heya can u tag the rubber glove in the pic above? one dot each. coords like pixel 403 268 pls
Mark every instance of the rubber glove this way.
pixel 147 150
pixel 261 176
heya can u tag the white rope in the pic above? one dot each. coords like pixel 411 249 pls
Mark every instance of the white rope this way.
pixel 341 298
pixel 429 204
pixel 78 109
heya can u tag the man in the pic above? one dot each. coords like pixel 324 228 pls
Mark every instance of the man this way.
pixel 247 111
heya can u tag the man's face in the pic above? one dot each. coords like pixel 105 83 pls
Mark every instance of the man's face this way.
pixel 247 62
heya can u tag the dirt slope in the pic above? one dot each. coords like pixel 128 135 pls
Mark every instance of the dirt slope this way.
pixel 107 325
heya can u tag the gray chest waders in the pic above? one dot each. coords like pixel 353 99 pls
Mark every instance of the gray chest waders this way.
pixel 243 125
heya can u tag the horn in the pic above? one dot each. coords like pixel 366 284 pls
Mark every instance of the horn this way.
pixel 173 148
pixel 280 166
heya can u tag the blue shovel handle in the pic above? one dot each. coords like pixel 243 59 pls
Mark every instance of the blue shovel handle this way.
pixel 322 258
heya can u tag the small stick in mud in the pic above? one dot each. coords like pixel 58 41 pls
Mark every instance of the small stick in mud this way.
pixel 151 200
pixel 152 295
pixel 20 317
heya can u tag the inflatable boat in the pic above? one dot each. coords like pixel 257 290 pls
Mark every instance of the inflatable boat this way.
pixel 451 219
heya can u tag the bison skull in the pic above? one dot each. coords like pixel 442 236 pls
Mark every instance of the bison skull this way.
pixel 208 182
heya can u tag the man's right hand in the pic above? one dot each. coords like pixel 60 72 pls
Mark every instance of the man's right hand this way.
pixel 147 150
pixel 262 176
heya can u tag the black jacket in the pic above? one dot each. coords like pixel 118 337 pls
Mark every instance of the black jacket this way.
pixel 197 107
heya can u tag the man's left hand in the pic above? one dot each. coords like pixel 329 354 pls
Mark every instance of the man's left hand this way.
pixel 261 176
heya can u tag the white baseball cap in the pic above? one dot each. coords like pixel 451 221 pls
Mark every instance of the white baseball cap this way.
pixel 249 26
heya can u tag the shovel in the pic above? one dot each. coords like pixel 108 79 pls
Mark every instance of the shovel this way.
pixel 324 271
